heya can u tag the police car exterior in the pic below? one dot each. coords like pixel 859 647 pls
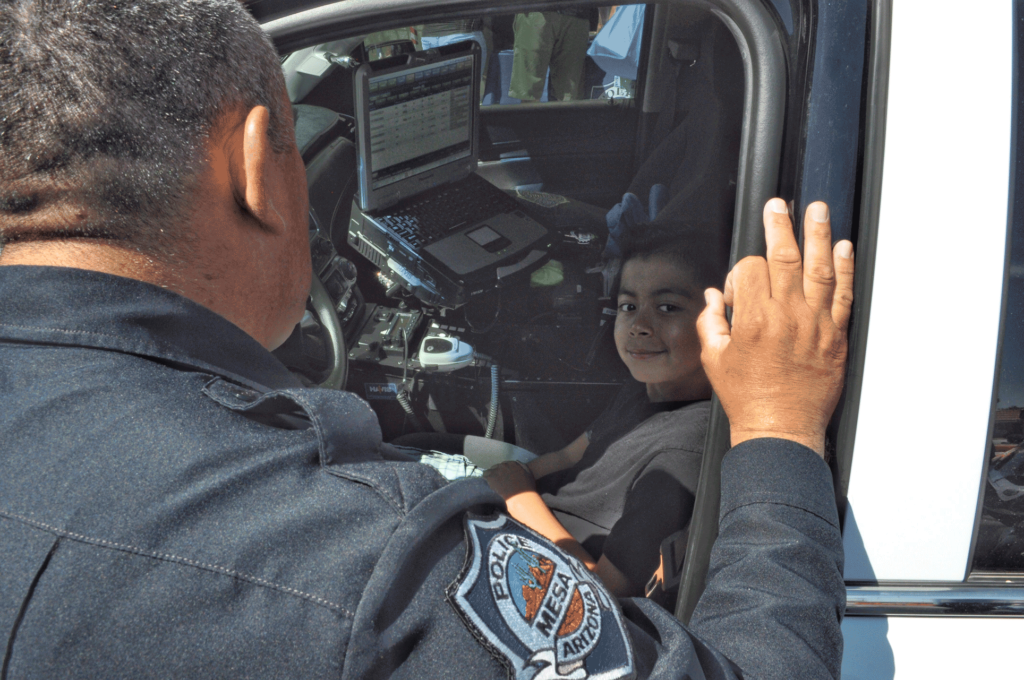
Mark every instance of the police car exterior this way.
pixel 902 115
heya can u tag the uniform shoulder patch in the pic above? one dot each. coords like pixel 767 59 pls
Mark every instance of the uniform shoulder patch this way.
pixel 538 610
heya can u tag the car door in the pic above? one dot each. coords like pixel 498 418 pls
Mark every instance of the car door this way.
pixel 927 432
pixel 930 564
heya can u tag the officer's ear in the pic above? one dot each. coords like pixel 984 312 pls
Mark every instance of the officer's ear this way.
pixel 258 175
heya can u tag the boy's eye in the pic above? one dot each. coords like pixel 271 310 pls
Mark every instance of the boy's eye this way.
pixel 666 307
pixel 627 307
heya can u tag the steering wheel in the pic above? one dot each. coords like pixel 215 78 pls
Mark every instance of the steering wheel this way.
pixel 323 306
pixel 316 351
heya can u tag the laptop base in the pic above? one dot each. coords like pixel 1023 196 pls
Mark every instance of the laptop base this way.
pixel 430 279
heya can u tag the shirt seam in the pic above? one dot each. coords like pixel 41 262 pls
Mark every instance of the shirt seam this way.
pixel 772 502
pixel 322 444
pixel 674 449
pixel 62 330
pixel 645 422
pixel 150 350
pixel 177 559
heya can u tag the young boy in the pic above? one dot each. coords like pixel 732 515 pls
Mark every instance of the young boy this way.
pixel 614 494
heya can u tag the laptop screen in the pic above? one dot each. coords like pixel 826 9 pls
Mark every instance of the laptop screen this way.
pixel 416 118
pixel 420 119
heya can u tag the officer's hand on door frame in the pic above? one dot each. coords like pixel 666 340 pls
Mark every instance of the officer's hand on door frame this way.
pixel 778 368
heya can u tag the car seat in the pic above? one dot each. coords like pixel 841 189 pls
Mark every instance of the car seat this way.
pixel 695 150
pixel 694 147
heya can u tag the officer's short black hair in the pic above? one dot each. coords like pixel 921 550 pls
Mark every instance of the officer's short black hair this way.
pixel 106 107
pixel 702 250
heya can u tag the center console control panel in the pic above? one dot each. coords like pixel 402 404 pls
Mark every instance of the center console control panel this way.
pixel 384 336
pixel 392 338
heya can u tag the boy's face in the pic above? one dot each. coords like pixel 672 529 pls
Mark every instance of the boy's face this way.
pixel 656 331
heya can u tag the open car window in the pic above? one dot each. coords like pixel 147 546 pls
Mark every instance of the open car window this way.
pixel 548 333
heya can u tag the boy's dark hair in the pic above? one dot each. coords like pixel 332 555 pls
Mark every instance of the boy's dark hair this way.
pixel 702 250
pixel 106 107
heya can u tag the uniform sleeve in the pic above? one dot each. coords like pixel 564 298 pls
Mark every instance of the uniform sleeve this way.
pixel 407 627
pixel 775 596
pixel 659 504
pixel 404 626
pixel 779 622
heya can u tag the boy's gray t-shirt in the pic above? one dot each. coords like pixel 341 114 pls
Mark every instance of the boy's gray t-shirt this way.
pixel 640 489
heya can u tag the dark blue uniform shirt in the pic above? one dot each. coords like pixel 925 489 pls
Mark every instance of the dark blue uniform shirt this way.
pixel 174 504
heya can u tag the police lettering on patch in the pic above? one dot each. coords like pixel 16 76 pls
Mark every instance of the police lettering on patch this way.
pixel 538 609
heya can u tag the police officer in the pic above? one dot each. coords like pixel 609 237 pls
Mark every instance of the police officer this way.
pixel 174 504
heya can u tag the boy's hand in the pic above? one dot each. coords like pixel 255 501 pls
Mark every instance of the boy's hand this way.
pixel 510 478
pixel 778 370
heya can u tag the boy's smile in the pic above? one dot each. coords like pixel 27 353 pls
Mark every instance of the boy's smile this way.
pixel 655 329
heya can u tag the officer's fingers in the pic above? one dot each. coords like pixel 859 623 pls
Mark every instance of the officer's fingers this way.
pixel 819 274
pixel 713 328
pixel 751 290
pixel 783 254
pixel 842 299
pixel 728 291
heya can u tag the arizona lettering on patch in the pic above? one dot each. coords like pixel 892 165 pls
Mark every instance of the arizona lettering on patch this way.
pixel 537 609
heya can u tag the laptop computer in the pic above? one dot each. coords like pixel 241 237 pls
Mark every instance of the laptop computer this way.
pixel 422 214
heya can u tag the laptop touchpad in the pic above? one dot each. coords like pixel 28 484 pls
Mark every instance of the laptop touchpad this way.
pixel 488 239
pixel 471 250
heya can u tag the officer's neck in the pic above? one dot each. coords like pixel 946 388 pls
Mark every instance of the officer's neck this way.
pixel 193 277
pixel 94 255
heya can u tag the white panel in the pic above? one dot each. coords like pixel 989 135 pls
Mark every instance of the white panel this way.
pixel 901 648
pixel 927 389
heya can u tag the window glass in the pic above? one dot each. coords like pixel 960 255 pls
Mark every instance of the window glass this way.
pixel 1000 543
pixel 564 55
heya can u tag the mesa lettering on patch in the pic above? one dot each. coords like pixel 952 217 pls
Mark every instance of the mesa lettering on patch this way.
pixel 537 609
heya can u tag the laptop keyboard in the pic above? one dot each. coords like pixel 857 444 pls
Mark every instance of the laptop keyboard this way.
pixel 430 217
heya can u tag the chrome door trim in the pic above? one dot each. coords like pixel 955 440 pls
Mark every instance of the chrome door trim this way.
pixel 955 599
